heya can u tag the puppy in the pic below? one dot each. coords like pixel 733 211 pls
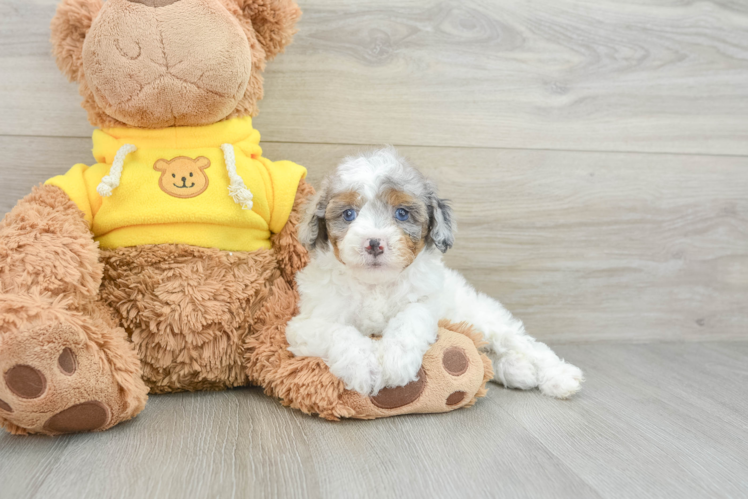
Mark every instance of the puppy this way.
pixel 376 231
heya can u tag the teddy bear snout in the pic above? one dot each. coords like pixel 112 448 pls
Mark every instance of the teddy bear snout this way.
pixel 154 3
pixel 135 54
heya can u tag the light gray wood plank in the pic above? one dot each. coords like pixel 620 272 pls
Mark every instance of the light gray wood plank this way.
pixel 570 74
pixel 638 429
pixel 562 74
pixel 654 434
pixel 581 246
pixel 462 454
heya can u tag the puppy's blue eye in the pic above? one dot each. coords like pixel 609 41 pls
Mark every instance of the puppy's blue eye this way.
pixel 349 215
pixel 401 214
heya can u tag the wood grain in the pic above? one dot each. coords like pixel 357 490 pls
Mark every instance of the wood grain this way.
pixel 642 427
pixel 553 74
pixel 649 424
pixel 581 246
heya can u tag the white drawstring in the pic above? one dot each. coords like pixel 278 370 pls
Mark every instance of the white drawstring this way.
pixel 237 189
pixel 111 181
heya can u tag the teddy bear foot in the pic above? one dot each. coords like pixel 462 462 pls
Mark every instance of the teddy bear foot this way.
pixel 453 375
pixel 57 381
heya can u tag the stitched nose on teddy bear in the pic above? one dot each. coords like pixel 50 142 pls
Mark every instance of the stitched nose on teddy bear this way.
pixel 155 3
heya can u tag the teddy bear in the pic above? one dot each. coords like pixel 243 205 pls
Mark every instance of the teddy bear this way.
pixel 168 265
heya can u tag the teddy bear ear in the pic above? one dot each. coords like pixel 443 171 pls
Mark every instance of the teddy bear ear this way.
pixel 161 165
pixel 202 162
pixel 69 27
pixel 274 22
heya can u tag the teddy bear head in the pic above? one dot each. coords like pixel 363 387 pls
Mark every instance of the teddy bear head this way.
pixel 163 63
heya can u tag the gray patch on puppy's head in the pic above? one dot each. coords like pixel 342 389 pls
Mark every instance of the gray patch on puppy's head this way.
pixel 441 220
pixel 312 229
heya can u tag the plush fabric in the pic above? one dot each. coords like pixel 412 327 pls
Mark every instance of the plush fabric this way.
pixel 50 275
pixel 306 383
pixel 169 93
pixel 188 310
pixel 269 26
pixel 136 62
pixel 148 206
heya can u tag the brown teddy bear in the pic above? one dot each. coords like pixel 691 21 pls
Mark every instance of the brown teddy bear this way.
pixel 169 264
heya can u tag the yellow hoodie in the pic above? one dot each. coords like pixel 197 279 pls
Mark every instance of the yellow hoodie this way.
pixel 204 186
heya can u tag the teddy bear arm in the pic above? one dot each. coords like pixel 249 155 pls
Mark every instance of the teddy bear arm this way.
pixel 290 253
pixel 46 247
pixel 303 383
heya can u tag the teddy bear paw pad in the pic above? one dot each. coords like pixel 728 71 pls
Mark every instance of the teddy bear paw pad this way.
pixel 26 381
pixel 88 416
pixel 455 361
pixel 394 397
pixel 67 362
pixel 456 398
pixel 5 407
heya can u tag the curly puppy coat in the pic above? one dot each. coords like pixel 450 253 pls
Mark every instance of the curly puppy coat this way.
pixel 377 230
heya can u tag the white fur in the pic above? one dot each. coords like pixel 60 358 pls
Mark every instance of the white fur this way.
pixel 343 304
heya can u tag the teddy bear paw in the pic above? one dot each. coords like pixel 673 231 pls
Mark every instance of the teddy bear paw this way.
pixel 453 373
pixel 55 382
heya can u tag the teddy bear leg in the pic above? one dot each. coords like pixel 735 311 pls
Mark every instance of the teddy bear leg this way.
pixel 65 371
pixel 64 365
pixel 453 375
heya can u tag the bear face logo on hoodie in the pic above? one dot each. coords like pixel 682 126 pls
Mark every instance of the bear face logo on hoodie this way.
pixel 183 177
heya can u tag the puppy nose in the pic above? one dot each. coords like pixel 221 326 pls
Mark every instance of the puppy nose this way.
pixel 184 179
pixel 374 248
pixel 155 3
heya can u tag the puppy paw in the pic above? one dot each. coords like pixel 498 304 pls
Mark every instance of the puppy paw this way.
pixel 561 381
pixel 515 371
pixel 362 374
pixel 400 365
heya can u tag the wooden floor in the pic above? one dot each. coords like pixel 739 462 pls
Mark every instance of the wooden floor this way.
pixel 596 153
pixel 664 420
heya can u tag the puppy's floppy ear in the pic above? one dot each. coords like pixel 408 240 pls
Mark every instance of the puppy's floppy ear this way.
pixel 69 27
pixel 273 21
pixel 441 221
pixel 313 227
